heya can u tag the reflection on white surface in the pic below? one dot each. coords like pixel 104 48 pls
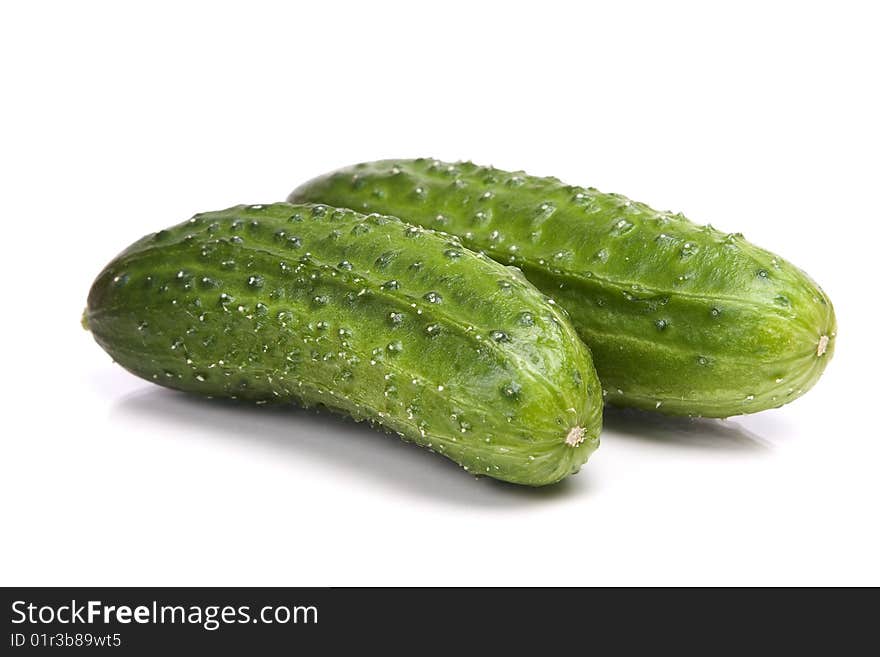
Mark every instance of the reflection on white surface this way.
pixel 694 433
pixel 357 451
pixel 337 443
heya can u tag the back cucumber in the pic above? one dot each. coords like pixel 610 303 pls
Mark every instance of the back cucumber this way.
pixel 680 318
pixel 366 315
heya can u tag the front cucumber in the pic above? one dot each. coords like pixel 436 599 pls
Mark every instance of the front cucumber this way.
pixel 680 318
pixel 366 315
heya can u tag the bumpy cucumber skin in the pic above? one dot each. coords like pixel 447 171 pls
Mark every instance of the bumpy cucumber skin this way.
pixel 680 318
pixel 365 315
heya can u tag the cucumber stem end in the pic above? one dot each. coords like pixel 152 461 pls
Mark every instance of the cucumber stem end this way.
pixel 576 436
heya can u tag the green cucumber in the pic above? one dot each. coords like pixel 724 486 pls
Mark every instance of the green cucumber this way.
pixel 365 315
pixel 680 318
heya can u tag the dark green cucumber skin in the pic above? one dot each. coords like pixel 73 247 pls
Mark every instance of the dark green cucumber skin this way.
pixel 365 315
pixel 680 318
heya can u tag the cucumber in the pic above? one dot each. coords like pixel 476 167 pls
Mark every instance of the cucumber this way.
pixel 366 315
pixel 680 318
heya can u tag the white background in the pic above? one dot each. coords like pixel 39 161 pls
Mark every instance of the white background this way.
pixel 118 120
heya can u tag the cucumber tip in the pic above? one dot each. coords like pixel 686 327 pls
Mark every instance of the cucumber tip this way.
pixel 576 436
